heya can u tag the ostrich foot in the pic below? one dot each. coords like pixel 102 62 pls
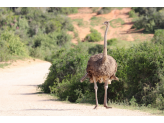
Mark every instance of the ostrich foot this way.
pixel 96 107
pixel 107 106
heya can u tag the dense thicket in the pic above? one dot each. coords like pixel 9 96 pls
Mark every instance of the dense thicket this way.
pixel 40 31
pixel 150 18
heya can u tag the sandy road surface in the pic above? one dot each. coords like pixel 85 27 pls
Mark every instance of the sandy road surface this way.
pixel 19 97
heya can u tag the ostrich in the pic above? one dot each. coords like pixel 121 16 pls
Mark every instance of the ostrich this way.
pixel 102 68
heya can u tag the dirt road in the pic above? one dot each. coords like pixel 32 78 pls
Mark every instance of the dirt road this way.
pixel 19 96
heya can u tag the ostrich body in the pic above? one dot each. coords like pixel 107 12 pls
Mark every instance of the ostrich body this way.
pixel 101 68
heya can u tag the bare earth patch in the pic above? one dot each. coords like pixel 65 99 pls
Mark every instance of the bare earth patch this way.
pixel 124 32
pixel 19 95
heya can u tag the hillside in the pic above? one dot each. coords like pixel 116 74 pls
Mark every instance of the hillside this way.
pixel 120 31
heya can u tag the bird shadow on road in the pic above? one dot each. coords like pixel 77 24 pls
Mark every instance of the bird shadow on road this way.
pixel 49 109
pixel 26 85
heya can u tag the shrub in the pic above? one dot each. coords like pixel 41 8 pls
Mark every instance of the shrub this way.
pixel 93 36
pixel 15 46
pixel 53 26
pixel 95 49
pixel 4 52
pixel 112 41
pixel 65 63
pixel 132 14
pixel 100 12
pixel 63 10
pixel 150 18
pixel 140 71
pixel 158 37
pixel 40 31
pixel 25 10
pixel 94 9
pixel 23 23
pixel 62 38
pixel 104 10
pixel 65 21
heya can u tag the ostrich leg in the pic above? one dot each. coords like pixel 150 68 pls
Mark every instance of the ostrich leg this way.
pixel 105 95
pixel 96 88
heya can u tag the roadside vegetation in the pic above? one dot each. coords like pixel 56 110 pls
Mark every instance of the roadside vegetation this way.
pixel 140 71
pixel 35 32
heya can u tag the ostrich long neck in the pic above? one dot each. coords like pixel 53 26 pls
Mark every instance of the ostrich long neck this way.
pixel 105 45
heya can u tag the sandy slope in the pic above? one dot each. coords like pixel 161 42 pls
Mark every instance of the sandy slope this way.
pixel 19 96
pixel 123 32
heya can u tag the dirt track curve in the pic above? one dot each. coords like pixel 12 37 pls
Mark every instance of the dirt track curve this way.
pixel 19 96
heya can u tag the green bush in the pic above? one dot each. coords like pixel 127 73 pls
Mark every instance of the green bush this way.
pixel 105 10
pixel 93 36
pixel 42 32
pixel 150 18
pixel 65 21
pixel 62 38
pixel 132 14
pixel 63 10
pixel 43 45
pixel 13 43
pixel 148 24
pixel 94 9
pixel 140 72
pixel 25 10
pixel 112 41
pixel 53 26
pixel 4 52
pixel 158 37
pixel 96 49
pixel 64 64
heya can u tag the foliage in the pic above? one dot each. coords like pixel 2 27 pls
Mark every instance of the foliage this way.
pixel 93 36
pixel 132 14
pixel 40 31
pixel 63 10
pixel 44 45
pixel 140 72
pixel 13 43
pixel 150 18
pixel 112 41
pixel 104 10
pixel 66 63
pixel 94 9
pixel 52 26
pixel 96 49
pixel 158 37
pixel 133 101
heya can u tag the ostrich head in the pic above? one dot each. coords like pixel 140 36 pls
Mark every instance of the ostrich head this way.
pixel 106 23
